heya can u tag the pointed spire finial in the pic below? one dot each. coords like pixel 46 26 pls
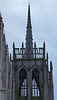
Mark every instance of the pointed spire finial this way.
pixel 22 45
pixel 29 26
pixel 0 14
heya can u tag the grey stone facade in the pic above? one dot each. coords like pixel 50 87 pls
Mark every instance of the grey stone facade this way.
pixel 27 75
pixel 5 66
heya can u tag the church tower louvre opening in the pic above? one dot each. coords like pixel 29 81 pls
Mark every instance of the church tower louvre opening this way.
pixel 27 75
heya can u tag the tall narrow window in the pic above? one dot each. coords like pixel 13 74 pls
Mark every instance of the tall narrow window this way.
pixel 35 82
pixel 22 83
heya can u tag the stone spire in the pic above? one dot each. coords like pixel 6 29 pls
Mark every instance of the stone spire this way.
pixel 29 27
pixel 29 40
pixel 0 15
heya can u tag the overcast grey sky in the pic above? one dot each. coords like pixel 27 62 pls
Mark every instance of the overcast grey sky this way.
pixel 44 26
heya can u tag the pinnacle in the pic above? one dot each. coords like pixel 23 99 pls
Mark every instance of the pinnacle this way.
pixel 1 17
pixel 0 13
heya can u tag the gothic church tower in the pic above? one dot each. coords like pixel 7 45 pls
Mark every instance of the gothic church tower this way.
pixel 32 79
pixel 26 76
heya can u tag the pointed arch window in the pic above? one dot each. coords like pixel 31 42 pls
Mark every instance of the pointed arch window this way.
pixel 35 83
pixel 22 83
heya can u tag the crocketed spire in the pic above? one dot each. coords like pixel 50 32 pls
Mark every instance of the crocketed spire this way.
pixel 29 40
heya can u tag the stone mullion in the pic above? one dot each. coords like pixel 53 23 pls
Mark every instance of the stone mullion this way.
pixel 29 85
